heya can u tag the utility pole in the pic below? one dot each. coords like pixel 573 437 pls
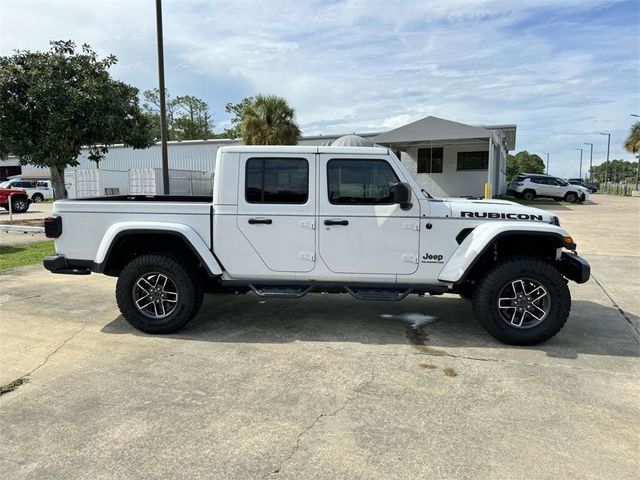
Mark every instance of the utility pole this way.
pixel 606 165
pixel 638 157
pixel 163 106
pixel 590 161
pixel 547 162
pixel 580 163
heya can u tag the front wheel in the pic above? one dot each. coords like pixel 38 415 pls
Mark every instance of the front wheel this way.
pixel 19 204
pixel 37 197
pixel 157 294
pixel 522 301
pixel 571 197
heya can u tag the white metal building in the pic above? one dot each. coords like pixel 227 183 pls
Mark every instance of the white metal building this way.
pixel 447 158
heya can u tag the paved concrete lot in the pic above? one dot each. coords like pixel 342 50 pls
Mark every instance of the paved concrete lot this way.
pixel 326 386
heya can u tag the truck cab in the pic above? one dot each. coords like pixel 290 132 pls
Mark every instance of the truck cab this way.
pixel 287 221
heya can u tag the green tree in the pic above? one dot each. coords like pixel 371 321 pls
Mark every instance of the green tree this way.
pixel 188 117
pixel 523 162
pixel 632 142
pixel 269 120
pixel 618 171
pixel 56 102
pixel 236 110
pixel 151 107
pixel 193 120
pixel 632 145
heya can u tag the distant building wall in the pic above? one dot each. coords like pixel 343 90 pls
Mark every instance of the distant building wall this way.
pixel 451 182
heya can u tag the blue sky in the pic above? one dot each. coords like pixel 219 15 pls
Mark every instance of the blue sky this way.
pixel 563 71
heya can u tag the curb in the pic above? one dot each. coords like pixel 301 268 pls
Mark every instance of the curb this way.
pixel 21 229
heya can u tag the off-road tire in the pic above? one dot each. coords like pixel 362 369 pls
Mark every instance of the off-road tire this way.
pixel 571 197
pixel 187 281
pixel 19 204
pixel 37 197
pixel 485 300
pixel 529 195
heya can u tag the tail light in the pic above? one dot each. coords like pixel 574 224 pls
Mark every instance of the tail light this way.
pixel 53 226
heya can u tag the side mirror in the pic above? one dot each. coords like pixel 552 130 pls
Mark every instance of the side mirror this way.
pixel 401 194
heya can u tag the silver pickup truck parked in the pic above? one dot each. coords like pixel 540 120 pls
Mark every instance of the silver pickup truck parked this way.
pixel 288 221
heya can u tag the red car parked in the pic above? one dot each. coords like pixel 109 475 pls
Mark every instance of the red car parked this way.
pixel 19 200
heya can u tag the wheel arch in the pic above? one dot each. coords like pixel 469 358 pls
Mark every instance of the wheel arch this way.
pixel 490 241
pixel 124 241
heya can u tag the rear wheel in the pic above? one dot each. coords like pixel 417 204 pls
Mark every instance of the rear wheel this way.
pixel 19 204
pixel 529 195
pixel 37 197
pixel 156 293
pixel 522 301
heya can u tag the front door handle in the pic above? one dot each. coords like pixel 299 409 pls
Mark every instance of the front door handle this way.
pixel 344 223
pixel 263 221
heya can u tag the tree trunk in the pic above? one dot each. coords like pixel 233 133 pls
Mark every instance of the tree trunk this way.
pixel 57 180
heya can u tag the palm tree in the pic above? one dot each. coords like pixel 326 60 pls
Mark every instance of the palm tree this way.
pixel 632 145
pixel 268 120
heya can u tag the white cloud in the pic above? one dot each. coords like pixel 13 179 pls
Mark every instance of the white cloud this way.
pixel 359 65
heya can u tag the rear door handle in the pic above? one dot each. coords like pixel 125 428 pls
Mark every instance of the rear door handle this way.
pixel 263 221
pixel 337 222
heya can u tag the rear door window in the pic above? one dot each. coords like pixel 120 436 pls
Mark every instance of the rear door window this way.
pixel 277 180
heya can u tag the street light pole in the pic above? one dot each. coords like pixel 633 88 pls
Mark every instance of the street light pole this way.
pixel 547 162
pixel 580 162
pixel 163 105
pixel 590 160
pixel 606 165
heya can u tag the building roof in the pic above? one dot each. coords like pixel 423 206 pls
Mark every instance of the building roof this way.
pixel 431 129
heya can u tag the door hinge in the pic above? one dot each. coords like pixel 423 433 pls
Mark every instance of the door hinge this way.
pixel 308 224
pixel 410 225
pixel 305 255
pixel 410 257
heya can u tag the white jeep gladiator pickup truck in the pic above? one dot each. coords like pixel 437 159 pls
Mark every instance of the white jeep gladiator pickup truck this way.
pixel 287 221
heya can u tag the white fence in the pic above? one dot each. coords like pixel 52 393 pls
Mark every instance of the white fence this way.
pixel 148 181
pixel 145 181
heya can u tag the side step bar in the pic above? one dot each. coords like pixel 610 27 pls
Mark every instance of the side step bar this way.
pixel 364 291
pixel 280 292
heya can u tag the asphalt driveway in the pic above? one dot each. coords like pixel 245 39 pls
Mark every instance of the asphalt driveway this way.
pixel 325 386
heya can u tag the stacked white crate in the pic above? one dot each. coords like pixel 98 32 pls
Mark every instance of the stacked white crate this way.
pixel 144 181
pixel 87 183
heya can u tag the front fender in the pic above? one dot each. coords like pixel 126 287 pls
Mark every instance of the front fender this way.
pixel 189 235
pixel 479 240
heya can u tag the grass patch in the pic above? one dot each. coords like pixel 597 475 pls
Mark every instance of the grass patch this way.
pixel 11 386
pixel 12 256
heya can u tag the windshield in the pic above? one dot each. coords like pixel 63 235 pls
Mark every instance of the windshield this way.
pixel 562 182
pixel 5 184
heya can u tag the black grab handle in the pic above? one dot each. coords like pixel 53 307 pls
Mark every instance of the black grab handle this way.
pixel 337 222
pixel 265 221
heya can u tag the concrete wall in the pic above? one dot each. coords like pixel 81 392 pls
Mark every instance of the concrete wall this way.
pixel 451 182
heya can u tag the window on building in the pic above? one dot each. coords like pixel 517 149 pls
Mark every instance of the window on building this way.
pixel 277 180
pixel 473 160
pixel 360 182
pixel 430 160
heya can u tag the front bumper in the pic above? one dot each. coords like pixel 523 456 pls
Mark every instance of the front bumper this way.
pixel 60 264
pixel 574 267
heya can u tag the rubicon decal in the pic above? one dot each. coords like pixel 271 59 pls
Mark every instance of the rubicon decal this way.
pixel 505 216
pixel 432 258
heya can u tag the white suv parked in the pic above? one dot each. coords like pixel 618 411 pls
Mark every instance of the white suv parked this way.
pixel 532 185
